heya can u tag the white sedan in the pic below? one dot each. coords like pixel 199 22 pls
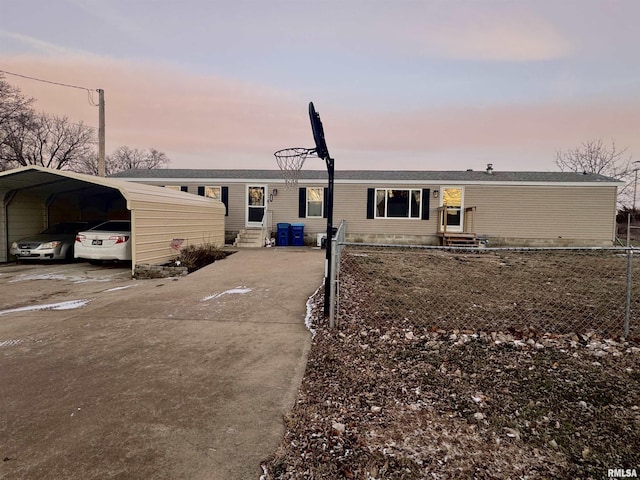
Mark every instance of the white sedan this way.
pixel 110 240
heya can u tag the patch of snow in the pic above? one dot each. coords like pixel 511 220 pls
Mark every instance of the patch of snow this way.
pixel 308 319
pixel 121 288
pixel 70 305
pixel 53 276
pixel 239 290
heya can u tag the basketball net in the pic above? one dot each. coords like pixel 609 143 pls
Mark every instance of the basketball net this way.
pixel 290 161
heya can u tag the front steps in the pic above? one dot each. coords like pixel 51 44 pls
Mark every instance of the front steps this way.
pixel 250 238
pixel 458 239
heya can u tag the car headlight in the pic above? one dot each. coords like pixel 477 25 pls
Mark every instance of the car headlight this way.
pixel 53 244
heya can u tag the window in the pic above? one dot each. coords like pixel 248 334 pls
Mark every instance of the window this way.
pixel 311 202
pixel 211 192
pixel 397 203
pixel 178 188
pixel 217 193
pixel 315 198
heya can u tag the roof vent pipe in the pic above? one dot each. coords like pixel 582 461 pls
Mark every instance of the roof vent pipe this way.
pixel 490 168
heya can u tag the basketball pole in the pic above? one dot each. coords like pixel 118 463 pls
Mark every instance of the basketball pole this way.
pixel 329 242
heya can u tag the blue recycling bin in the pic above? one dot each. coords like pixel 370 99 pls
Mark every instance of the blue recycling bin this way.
pixel 284 234
pixel 297 234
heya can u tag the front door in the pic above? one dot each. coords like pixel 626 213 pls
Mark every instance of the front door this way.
pixel 256 205
pixel 451 199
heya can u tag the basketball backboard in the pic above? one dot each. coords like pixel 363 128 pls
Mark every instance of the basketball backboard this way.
pixel 318 133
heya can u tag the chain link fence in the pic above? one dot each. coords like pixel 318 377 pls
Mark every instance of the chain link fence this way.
pixel 544 290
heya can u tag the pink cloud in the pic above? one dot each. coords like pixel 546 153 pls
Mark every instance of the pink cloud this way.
pixel 207 121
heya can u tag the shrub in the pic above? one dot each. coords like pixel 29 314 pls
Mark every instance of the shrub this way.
pixel 195 257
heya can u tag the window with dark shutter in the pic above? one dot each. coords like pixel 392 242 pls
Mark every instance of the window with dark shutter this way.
pixel 302 202
pixel 225 199
pixel 425 203
pixel 371 203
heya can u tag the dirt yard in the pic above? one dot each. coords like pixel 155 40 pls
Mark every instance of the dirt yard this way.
pixel 390 395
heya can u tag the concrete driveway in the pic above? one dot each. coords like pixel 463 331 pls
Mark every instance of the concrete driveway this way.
pixel 163 379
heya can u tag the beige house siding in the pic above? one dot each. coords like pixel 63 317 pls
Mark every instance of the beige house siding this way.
pixel 544 212
pixel 509 213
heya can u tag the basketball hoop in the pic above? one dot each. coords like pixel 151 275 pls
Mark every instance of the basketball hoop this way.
pixel 290 161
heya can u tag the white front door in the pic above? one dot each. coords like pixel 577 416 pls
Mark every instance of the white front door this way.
pixel 256 205
pixel 451 199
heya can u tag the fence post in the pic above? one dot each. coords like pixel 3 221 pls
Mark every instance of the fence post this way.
pixel 332 283
pixel 627 314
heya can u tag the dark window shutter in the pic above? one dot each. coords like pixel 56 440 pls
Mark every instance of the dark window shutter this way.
pixel 425 203
pixel 371 202
pixel 302 202
pixel 325 204
pixel 225 199
pixel 201 191
pixel 184 188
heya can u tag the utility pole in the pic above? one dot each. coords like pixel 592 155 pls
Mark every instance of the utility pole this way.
pixel 101 146
pixel 635 185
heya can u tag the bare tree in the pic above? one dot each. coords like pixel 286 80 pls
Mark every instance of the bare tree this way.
pixel 48 141
pixel 125 158
pixel 594 156
pixel 16 115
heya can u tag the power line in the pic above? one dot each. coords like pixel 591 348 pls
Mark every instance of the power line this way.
pixel 92 102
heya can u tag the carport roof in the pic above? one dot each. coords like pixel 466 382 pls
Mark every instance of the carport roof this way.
pixel 50 181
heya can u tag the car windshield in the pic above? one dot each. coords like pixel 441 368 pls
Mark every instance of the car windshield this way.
pixel 70 228
pixel 114 226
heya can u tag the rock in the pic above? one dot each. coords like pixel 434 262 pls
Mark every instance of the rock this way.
pixel 408 335
pixel 478 416
pixel 512 433
pixel 339 427
pixel 376 409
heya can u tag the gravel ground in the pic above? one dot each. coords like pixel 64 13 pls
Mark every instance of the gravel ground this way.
pixel 390 398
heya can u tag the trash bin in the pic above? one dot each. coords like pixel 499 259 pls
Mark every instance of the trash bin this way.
pixel 284 234
pixel 297 234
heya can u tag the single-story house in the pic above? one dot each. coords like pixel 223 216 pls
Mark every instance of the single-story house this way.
pixel 410 207
pixel 162 220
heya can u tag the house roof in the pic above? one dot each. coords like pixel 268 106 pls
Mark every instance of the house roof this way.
pixel 468 176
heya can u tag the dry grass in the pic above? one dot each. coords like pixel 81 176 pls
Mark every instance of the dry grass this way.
pixel 393 396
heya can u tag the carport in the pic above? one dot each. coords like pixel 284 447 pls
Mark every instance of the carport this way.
pixel 162 219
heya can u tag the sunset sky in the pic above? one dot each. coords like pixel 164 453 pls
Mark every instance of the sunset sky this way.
pixel 412 85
